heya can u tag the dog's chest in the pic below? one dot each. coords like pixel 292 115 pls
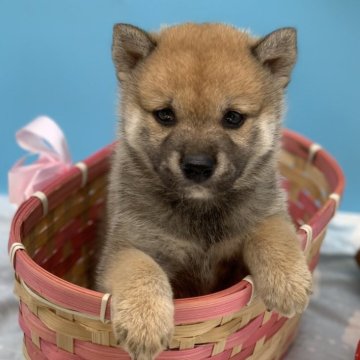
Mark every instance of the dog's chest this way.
pixel 206 271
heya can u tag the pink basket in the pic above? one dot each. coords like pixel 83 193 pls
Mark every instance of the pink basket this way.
pixel 51 247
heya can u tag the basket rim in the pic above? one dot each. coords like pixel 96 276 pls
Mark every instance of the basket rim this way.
pixel 188 310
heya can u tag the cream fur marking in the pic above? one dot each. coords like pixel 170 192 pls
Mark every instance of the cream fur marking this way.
pixel 223 164
pixel 174 161
pixel 267 125
pixel 133 119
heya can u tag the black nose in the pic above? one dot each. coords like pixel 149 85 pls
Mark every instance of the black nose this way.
pixel 197 168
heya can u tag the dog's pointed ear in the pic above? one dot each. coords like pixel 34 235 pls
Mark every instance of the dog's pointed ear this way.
pixel 130 46
pixel 277 51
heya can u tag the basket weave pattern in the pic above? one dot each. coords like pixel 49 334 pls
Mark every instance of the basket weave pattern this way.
pixel 51 247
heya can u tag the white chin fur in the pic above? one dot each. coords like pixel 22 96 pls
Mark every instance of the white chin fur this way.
pixel 198 192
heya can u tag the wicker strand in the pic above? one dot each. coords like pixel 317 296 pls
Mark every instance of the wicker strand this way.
pixel 44 201
pixel 25 352
pixel 314 148
pixel 250 280
pixel 14 248
pixel 336 198
pixel 84 172
pixel 236 349
pixel 60 308
pixel 104 301
pixel 219 347
pixel 309 236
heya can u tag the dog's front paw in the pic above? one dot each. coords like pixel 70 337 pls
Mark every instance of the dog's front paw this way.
pixel 143 326
pixel 285 288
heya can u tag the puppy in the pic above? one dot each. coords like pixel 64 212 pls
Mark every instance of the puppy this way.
pixel 194 195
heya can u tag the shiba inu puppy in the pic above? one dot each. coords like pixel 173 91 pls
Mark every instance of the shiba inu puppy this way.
pixel 194 199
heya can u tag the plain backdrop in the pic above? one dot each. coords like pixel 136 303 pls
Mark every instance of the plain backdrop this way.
pixel 55 60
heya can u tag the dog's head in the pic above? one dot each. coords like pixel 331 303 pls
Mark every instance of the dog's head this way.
pixel 202 104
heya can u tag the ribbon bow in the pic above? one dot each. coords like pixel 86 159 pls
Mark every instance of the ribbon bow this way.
pixel 44 137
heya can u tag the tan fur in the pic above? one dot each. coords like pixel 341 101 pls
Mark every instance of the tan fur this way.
pixel 278 266
pixel 169 235
pixel 127 277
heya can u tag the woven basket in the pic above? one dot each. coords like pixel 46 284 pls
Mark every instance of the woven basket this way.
pixel 52 250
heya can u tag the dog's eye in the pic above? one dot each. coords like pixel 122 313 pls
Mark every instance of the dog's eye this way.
pixel 165 116
pixel 233 120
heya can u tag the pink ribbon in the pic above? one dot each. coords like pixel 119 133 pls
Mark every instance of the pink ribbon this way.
pixel 44 137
